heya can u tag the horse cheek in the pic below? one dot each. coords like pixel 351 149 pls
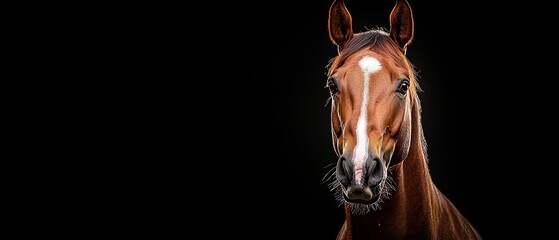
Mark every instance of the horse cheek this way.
pixel 402 147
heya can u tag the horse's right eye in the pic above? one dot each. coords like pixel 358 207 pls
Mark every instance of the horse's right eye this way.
pixel 332 86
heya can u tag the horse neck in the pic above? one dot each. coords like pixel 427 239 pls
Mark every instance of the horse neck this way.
pixel 410 205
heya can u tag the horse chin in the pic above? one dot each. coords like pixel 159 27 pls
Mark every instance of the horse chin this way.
pixel 367 200
pixel 374 200
pixel 360 195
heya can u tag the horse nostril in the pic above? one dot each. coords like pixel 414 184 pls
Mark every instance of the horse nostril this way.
pixel 374 170
pixel 343 171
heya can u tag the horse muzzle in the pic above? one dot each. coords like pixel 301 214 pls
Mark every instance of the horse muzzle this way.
pixel 361 184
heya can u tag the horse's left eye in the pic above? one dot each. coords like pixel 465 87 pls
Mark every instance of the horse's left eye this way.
pixel 404 86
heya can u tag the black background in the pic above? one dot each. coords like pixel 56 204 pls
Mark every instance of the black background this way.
pixel 469 57
pixel 211 117
pixel 267 140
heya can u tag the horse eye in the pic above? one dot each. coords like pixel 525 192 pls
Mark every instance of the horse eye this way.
pixel 404 86
pixel 331 84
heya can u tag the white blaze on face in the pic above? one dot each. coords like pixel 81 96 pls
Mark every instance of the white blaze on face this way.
pixel 369 65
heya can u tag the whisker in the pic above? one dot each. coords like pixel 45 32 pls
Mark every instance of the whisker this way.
pixel 328 101
pixel 329 174
pixel 329 165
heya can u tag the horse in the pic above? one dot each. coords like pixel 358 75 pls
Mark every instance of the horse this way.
pixel 381 177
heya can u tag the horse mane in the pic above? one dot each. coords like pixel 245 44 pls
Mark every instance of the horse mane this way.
pixel 380 41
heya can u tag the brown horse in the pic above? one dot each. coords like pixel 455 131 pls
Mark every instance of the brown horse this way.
pixel 382 177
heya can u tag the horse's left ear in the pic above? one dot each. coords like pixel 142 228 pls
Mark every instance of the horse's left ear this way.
pixel 401 24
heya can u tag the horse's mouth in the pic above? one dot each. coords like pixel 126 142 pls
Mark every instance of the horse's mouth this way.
pixel 363 195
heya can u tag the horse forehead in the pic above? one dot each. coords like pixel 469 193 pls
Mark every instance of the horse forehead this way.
pixel 357 57
pixel 368 62
pixel 369 65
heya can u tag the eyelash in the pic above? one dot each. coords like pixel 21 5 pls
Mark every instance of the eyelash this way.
pixel 403 87
pixel 333 88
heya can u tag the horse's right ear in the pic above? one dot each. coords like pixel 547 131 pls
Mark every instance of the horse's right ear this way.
pixel 339 24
